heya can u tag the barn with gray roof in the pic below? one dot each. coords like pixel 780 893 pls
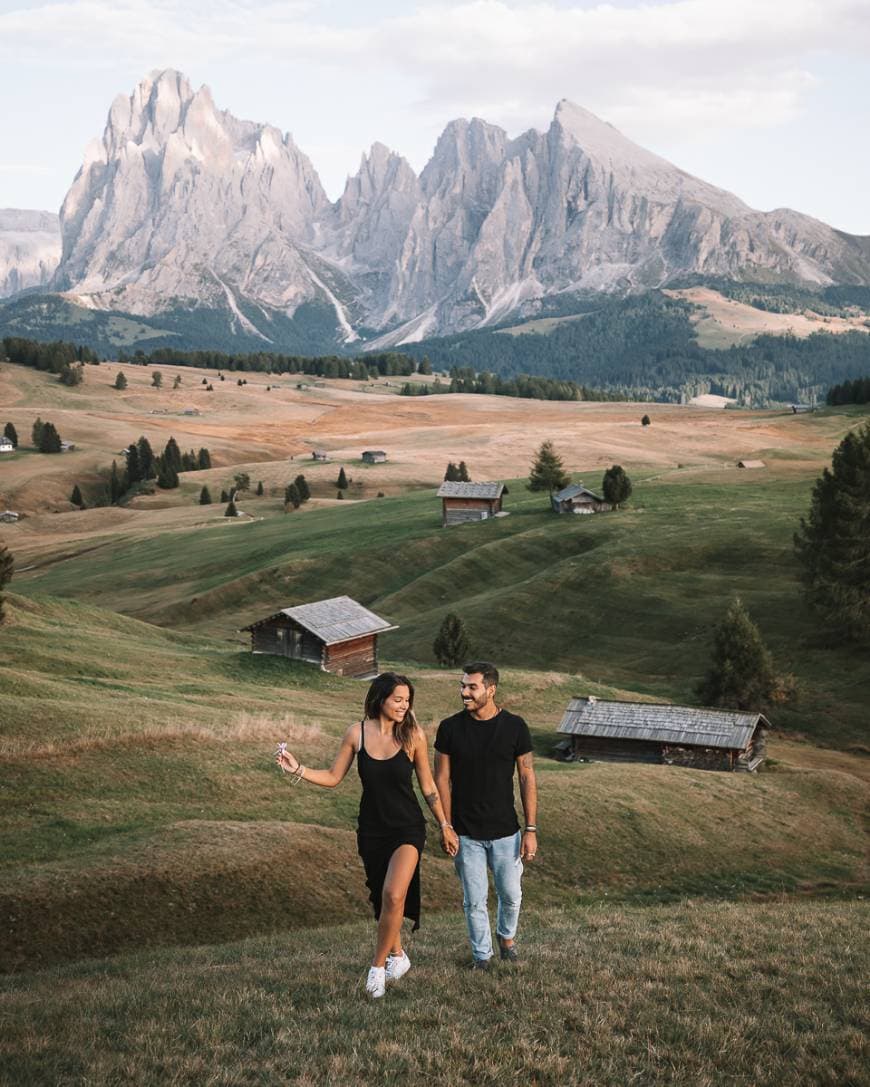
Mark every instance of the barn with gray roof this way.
pixel 602 730
pixel 462 502
pixel 575 498
pixel 339 635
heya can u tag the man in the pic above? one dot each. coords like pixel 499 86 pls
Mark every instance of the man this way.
pixel 476 753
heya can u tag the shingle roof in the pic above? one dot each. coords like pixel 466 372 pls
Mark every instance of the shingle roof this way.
pixel 572 490
pixel 697 726
pixel 334 620
pixel 449 489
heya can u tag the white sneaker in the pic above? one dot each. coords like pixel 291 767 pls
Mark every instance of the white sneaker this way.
pixel 397 966
pixel 375 982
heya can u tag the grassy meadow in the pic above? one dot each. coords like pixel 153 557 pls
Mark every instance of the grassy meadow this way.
pixel 694 994
pixel 627 599
pixel 174 912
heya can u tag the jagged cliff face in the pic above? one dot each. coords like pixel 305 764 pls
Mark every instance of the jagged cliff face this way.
pixel 182 204
pixel 29 249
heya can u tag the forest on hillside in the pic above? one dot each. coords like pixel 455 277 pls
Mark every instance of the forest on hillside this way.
pixel 644 347
pixel 641 347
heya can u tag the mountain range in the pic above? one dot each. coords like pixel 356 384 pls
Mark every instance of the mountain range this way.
pixel 182 209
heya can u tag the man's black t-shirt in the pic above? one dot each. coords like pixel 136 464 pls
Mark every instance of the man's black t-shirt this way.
pixel 483 755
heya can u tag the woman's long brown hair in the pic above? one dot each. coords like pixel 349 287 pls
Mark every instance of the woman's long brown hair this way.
pixel 381 689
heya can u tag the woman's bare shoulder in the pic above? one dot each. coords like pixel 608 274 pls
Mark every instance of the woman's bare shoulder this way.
pixel 352 735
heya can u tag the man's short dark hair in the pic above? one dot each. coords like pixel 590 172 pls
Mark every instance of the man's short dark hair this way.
pixel 487 670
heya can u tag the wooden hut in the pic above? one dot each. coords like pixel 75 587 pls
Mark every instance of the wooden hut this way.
pixel 751 464
pixel 319 454
pixel 374 456
pixel 339 635
pixel 575 498
pixel 601 730
pixel 461 502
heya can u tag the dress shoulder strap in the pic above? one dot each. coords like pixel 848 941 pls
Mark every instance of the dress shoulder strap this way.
pixel 362 734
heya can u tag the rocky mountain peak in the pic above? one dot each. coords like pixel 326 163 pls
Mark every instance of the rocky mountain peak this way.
pixel 182 204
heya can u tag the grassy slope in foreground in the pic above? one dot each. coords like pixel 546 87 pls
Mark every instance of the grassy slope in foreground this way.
pixel 696 994
pixel 141 805
pixel 630 598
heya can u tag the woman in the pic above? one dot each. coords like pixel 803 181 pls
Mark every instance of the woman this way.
pixel 389 745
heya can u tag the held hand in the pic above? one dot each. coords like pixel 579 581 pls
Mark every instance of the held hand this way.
pixel 529 846
pixel 449 841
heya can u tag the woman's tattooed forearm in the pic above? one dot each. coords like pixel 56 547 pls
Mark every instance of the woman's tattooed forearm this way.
pixel 431 799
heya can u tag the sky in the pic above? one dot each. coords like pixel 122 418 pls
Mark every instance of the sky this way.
pixel 769 99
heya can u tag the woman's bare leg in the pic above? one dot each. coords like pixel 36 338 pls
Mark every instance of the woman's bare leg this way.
pixel 398 879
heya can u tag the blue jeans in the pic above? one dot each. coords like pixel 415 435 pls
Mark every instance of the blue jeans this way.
pixel 502 857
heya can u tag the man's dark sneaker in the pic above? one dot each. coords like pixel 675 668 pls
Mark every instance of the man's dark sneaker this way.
pixel 480 964
pixel 508 954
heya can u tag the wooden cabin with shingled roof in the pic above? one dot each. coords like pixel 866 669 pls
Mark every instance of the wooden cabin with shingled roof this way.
pixel 463 502
pixel 596 729
pixel 339 635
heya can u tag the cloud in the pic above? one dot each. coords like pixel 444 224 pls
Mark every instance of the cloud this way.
pixel 647 63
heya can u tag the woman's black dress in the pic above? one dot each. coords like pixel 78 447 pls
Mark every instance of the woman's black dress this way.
pixel 389 816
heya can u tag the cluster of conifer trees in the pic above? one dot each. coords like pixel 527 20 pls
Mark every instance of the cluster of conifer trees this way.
pixel 850 392
pixel 141 465
pixel 54 357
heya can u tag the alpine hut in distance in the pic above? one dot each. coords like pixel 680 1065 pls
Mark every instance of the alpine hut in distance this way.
pixel 598 729
pixel 339 635
pixel 575 498
pixel 461 502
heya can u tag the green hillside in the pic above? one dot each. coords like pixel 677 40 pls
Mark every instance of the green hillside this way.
pixel 627 598
pixel 142 806
pixel 696 994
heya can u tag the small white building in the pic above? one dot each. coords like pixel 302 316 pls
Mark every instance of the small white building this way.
pixel 67 447
pixel 8 517
pixel 6 445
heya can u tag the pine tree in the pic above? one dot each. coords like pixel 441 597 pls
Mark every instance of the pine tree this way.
pixel 177 381
pixel 76 497
pixel 204 381
pixel 188 462
pixel 616 486
pixel 303 488
pixel 463 473
pixel 203 459
pixel 260 491
pixel 134 467
pixel 645 421
pixel 231 510
pixel 224 496
pixel 548 473
pixel 833 543
pixel 425 366
pixel 117 484
pixel 451 643
pixel 340 494
pixel 11 433
pixel 36 432
pixel 147 460
pixel 172 454
pixel 205 497
pixel 7 568
pixel 451 475
pixel 167 475
pixel 341 482
pixel 120 380
pixel 292 496
pixel 243 481
pixel 49 439
pixel 157 379
pixel 741 674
